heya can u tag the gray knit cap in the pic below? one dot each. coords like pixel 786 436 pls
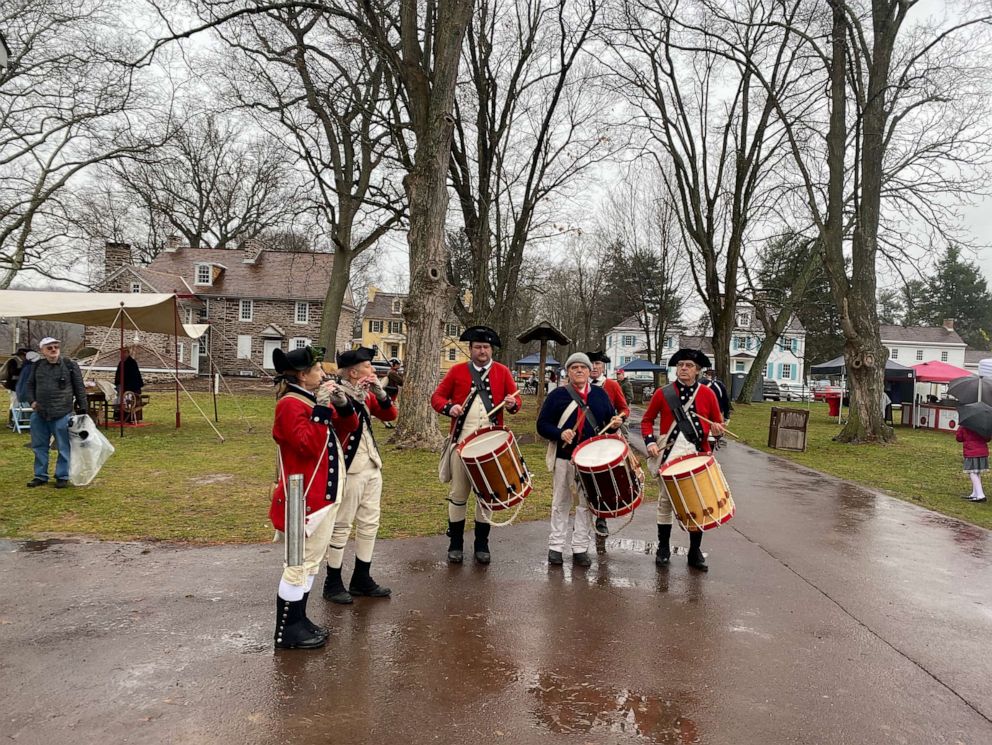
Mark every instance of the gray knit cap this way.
pixel 578 358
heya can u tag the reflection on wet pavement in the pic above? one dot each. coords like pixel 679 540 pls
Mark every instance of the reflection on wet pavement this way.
pixel 565 707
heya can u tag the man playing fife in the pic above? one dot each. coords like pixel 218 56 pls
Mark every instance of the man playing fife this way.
pixel 467 393
pixel 617 398
pixel 363 487
pixel 702 416
pixel 570 415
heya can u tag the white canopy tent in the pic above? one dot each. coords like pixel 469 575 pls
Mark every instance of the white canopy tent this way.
pixel 151 313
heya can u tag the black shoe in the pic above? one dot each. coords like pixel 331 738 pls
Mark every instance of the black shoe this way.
pixel 482 555
pixel 362 583
pixel 291 628
pixel 456 541
pixel 62 483
pixel 664 554
pixel 977 499
pixel 555 558
pixel 601 529
pixel 36 482
pixel 582 559
pixel 696 558
pixel 311 626
pixel 334 588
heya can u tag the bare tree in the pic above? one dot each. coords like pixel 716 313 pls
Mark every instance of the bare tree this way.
pixel 69 100
pixel 527 124
pixel 710 122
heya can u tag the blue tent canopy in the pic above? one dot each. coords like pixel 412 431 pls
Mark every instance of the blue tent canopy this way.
pixel 535 360
pixel 641 366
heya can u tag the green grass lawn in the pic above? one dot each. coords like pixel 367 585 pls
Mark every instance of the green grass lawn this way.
pixel 185 485
pixel 922 466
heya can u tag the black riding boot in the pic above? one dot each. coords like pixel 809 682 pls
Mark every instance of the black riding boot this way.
pixel 456 536
pixel 363 584
pixel 696 558
pixel 664 545
pixel 291 628
pixel 334 587
pixel 482 542
pixel 314 628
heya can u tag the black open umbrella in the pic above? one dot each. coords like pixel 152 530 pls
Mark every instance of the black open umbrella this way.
pixel 977 417
pixel 971 388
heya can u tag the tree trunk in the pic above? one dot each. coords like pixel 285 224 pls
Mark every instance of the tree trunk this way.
pixel 333 301
pixel 426 184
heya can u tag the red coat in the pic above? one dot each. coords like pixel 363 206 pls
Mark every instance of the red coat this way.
pixel 301 431
pixel 615 392
pixel 706 405
pixel 455 386
pixel 383 412
pixel 974 445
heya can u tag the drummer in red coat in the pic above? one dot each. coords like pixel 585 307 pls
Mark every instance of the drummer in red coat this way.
pixel 311 418
pixel 466 394
pixel 612 389
pixel 701 407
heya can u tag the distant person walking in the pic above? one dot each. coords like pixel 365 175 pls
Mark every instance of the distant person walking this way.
pixel 976 460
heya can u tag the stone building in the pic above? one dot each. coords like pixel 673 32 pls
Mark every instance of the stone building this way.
pixel 254 300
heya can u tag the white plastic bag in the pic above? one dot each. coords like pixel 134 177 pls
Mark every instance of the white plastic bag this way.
pixel 88 450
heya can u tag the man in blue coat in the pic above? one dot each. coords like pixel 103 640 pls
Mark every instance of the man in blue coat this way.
pixel 571 414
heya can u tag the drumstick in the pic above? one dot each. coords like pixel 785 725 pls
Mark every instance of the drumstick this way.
pixel 710 421
pixel 493 411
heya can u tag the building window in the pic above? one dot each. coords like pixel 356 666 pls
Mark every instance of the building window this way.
pixel 786 371
pixel 375 327
pixel 396 327
pixel 744 319
pixel 136 287
pixel 452 354
pixel 397 305
pixel 394 350
pixel 740 342
pixel 244 347
pixel 298 343
pixel 785 343
pixel 205 312
pixel 247 310
pixel 943 356
pixel 738 366
pixel 669 342
pixel 204 275
pixel 609 341
pixel 180 352
pixel 451 329
pixel 919 354
pixel 895 353
pixel 302 313
pixel 629 341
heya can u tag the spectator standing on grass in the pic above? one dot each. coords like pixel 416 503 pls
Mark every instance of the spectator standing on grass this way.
pixel 625 385
pixel 976 460
pixel 55 389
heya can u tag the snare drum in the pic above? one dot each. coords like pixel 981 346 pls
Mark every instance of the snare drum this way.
pixel 495 467
pixel 699 492
pixel 611 477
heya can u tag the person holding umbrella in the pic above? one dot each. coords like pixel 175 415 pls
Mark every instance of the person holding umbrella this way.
pixel 974 428
pixel 976 460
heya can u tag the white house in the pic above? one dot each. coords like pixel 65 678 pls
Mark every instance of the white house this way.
pixel 911 345
pixel 627 340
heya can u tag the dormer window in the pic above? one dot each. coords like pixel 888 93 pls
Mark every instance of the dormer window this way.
pixel 135 287
pixel 204 274
pixel 397 305
pixel 743 319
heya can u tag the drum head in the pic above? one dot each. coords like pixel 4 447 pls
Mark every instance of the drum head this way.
pixel 484 443
pixel 689 464
pixel 599 452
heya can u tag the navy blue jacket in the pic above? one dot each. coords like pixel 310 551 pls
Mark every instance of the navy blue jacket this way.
pixel 554 406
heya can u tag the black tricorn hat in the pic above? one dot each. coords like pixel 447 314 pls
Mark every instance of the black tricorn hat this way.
pixel 599 356
pixel 297 359
pixel 354 356
pixel 692 355
pixel 481 334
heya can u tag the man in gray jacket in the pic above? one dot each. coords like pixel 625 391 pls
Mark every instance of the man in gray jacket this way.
pixel 55 390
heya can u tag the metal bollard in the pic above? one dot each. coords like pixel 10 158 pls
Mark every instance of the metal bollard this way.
pixel 295 515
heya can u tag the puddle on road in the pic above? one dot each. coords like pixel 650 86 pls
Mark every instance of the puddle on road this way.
pixel 38 546
pixel 585 708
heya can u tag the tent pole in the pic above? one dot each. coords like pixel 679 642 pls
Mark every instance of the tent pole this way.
pixel 213 385
pixel 120 382
pixel 175 323
pixel 540 373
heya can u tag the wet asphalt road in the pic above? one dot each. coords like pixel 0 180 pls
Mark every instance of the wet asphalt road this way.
pixel 830 615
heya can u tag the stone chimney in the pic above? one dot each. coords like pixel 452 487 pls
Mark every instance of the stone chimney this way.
pixel 949 324
pixel 115 256
pixel 252 251
pixel 372 292
pixel 172 244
